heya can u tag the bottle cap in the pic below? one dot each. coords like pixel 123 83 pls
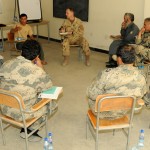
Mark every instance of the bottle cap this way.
pixel 45 139
pixel 142 131
pixel 49 134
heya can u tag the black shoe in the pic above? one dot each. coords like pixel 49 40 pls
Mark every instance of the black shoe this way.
pixel 33 138
pixel 107 62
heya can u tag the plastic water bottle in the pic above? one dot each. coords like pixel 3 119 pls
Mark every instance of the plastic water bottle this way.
pixel 141 65
pixel 141 139
pixel 140 144
pixel 50 141
pixel 46 144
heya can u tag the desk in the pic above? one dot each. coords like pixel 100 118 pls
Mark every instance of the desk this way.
pixel 9 26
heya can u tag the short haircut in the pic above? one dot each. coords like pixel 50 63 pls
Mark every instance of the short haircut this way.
pixel 127 54
pixel 147 20
pixel 71 9
pixel 22 15
pixel 130 15
pixel 31 49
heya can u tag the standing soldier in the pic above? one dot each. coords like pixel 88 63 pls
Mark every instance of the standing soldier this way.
pixel 74 29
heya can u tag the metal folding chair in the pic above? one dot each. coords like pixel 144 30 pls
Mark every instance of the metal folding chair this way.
pixel 105 103
pixel 14 100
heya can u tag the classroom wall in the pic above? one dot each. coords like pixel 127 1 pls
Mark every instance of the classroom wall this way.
pixel 105 18
pixel 147 8
pixel 7 8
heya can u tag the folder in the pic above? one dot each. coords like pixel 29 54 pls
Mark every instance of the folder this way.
pixel 51 93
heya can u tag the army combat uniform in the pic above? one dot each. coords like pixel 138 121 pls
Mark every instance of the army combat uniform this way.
pixel 143 47
pixel 123 80
pixel 22 76
pixel 75 38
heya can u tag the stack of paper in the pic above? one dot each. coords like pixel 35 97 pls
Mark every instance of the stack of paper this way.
pixel 51 93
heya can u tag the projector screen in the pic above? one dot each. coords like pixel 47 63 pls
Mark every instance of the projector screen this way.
pixel 32 8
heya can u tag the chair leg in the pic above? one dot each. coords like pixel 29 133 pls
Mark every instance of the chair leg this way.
pixel 80 54
pixel 46 131
pixel 114 132
pixel 128 138
pixel 96 142
pixel 86 127
pixel 2 131
pixel 26 138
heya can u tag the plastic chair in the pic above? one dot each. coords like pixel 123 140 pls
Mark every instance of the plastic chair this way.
pixel 14 100
pixel 106 103
pixel 11 41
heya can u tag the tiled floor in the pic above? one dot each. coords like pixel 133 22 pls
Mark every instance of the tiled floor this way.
pixel 68 124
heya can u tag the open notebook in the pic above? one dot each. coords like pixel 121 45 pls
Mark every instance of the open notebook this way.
pixel 51 93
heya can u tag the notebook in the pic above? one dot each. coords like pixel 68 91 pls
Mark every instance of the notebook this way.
pixel 51 93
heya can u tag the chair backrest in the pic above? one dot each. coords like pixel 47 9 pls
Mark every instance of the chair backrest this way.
pixel 10 37
pixel 11 99
pixel 112 102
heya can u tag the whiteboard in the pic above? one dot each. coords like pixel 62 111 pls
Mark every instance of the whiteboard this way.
pixel 30 7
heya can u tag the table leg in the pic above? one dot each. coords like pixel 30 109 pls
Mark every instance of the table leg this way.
pixel 48 32
pixel 2 46
pixel 37 32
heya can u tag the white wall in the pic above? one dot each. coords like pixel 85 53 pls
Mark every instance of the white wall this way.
pixel 105 17
pixel 147 8
pixel 7 11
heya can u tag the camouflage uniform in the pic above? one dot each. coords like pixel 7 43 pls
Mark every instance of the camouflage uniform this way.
pixel 123 80
pixel 75 38
pixel 22 76
pixel 143 47
pixel 1 60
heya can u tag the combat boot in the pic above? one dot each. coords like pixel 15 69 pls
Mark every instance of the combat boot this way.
pixel 65 61
pixel 87 60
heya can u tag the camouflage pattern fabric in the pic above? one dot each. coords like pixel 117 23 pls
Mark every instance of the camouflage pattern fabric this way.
pixel 123 80
pixel 1 60
pixel 75 38
pixel 22 76
pixel 143 47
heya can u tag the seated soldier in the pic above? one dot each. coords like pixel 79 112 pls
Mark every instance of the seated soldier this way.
pixel 25 75
pixel 22 30
pixel 123 80
pixel 143 43
pixel 1 60
pixel 74 29
pixel 128 32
